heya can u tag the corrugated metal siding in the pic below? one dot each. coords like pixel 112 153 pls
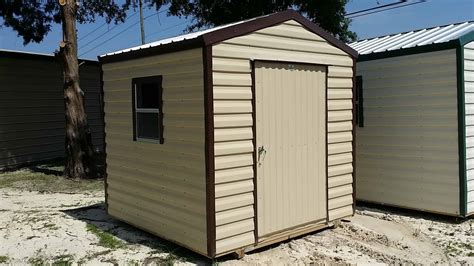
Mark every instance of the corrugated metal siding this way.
pixel 291 126
pixel 407 151
pixel 32 124
pixel 410 39
pixel 469 109
pixel 159 187
pixel 233 117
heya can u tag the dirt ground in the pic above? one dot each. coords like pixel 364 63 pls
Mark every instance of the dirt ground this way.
pixel 43 220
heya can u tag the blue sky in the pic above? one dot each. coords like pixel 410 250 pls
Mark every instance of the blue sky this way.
pixel 159 26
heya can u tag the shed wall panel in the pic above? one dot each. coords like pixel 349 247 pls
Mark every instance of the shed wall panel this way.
pixel 469 102
pixel 233 113
pixel 32 123
pixel 407 151
pixel 159 187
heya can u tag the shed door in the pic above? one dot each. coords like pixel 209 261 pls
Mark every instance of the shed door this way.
pixel 291 145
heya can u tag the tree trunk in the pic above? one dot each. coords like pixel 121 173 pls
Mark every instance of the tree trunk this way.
pixel 79 151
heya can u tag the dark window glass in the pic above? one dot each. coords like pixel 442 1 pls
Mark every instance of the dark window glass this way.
pixel 148 95
pixel 148 116
pixel 148 125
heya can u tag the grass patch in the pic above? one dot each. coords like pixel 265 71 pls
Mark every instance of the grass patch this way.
pixel 105 239
pixel 50 226
pixel 4 259
pixel 47 178
pixel 37 261
pixel 93 256
pixel 63 260
pixel 169 260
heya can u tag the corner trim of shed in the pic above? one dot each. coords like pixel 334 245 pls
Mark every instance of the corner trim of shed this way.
pixel 354 132
pixel 463 189
pixel 209 151
pixel 461 130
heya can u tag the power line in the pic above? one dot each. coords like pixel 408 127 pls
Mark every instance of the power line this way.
pixel 136 12
pixel 377 7
pixel 116 35
pixel 394 7
pixel 165 29
pixel 89 33
pixel 93 48
pixel 102 35
pixel 156 32
pixel 103 24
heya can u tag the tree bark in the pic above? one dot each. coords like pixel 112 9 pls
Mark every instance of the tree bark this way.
pixel 79 150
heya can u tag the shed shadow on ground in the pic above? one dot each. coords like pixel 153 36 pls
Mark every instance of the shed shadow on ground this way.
pixel 416 214
pixel 95 215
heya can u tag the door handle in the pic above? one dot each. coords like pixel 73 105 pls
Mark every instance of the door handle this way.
pixel 261 155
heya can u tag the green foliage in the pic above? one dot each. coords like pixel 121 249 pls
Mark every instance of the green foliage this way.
pixel 63 260
pixel 329 14
pixel 37 261
pixel 4 259
pixel 33 19
pixel 105 239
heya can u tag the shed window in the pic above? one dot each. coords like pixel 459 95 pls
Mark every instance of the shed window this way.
pixel 147 109
pixel 359 102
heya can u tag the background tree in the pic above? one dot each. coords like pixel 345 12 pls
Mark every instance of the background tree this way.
pixel 32 20
pixel 329 14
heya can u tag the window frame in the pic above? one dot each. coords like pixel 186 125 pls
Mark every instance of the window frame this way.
pixel 136 82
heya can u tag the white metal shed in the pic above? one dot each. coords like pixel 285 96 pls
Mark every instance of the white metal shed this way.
pixel 415 134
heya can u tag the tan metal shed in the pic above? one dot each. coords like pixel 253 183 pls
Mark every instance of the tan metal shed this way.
pixel 231 138
pixel 32 122
pixel 415 143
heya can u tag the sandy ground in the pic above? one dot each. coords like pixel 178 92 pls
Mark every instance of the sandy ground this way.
pixel 53 227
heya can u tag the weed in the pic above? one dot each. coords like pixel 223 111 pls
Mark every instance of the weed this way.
pixel 169 260
pixel 468 246
pixel 50 226
pixel 470 254
pixel 416 232
pixel 4 259
pixel 37 261
pixel 133 263
pixel 93 256
pixel 105 239
pixel 63 260
pixel 111 261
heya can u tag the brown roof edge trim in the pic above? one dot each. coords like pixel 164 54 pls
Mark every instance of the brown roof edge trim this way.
pixel 209 151
pixel 161 49
pixel 270 20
